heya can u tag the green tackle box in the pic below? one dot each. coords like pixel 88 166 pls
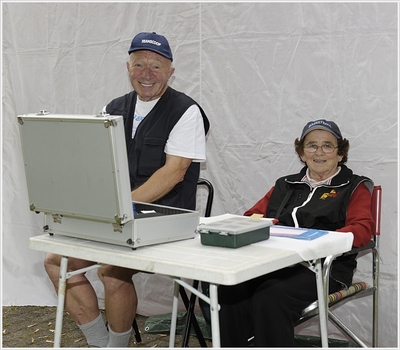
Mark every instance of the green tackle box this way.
pixel 234 232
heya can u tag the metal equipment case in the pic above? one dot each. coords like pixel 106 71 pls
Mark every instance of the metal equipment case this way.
pixel 77 174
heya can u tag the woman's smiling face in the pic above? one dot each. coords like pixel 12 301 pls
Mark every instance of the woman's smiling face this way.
pixel 321 165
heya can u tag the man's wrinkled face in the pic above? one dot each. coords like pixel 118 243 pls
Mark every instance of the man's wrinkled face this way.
pixel 149 73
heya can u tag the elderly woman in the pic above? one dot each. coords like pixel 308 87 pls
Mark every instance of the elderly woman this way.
pixel 326 195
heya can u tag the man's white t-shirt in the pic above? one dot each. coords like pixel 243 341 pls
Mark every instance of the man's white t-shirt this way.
pixel 186 139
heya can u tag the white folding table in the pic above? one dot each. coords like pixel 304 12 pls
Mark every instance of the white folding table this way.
pixel 192 260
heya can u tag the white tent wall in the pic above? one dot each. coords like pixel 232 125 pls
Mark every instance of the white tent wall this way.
pixel 259 70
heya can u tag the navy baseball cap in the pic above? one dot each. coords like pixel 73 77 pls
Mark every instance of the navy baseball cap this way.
pixel 153 42
pixel 322 124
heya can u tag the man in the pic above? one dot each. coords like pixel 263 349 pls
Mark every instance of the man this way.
pixel 165 138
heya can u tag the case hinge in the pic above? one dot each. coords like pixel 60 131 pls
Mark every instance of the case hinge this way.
pixel 102 114
pixel 42 112
pixel 108 123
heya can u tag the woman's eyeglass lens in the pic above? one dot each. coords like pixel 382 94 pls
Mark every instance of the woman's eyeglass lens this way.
pixel 327 148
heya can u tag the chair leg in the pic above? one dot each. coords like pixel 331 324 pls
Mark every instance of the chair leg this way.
pixel 136 331
pixel 375 323
pixel 190 317
pixel 346 330
pixel 204 306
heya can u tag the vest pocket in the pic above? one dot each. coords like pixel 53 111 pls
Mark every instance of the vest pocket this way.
pixel 152 156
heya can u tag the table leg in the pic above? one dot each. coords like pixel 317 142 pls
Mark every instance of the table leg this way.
pixel 322 303
pixel 62 286
pixel 216 341
pixel 174 315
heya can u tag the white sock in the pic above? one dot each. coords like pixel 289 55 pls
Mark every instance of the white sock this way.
pixel 95 332
pixel 118 340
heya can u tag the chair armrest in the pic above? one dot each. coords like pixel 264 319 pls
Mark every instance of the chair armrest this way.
pixel 370 245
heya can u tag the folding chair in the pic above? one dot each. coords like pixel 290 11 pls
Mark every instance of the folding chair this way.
pixel 189 304
pixel 357 288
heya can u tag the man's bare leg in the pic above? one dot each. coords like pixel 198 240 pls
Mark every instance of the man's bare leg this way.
pixel 120 302
pixel 80 299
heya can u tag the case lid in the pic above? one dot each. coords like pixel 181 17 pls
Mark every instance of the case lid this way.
pixel 234 225
pixel 76 166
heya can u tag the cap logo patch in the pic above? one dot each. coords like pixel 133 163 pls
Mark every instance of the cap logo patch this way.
pixel 318 122
pixel 147 41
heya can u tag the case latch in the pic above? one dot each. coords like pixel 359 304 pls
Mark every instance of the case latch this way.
pixel 117 227
pixel 57 218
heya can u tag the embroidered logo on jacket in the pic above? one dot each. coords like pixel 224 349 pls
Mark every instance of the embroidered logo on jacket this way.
pixel 332 194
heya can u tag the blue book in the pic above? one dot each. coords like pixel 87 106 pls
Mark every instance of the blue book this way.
pixel 296 232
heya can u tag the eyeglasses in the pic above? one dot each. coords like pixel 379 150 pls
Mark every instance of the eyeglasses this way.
pixel 326 148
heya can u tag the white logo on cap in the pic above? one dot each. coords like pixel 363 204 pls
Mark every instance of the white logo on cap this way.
pixel 147 41
pixel 320 122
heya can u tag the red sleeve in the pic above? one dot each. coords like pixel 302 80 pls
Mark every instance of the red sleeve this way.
pixel 359 219
pixel 261 206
